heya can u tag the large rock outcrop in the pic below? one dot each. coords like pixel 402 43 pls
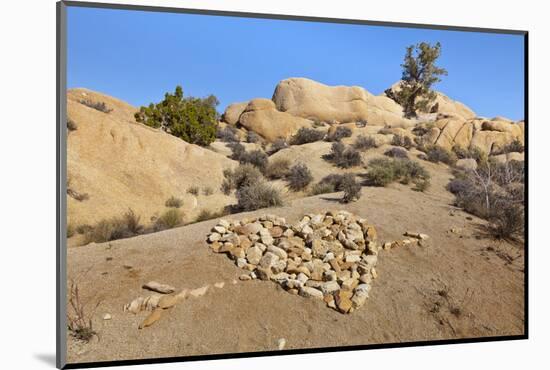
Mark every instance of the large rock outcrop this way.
pixel 261 116
pixel 120 164
pixel 310 99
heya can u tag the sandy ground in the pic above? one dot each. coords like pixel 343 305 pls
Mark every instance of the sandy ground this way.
pixel 463 285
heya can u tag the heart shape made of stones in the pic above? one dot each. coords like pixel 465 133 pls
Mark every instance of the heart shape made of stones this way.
pixel 330 256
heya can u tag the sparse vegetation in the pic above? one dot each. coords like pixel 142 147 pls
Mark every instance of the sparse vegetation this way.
pixel 207 191
pixel 228 134
pixel 169 219
pixel 252 137
pixel 340 133
pixel 383 171
pixel 277 168
pixel 277 145
pixel 208 215
pixel 79 319
pixel 191 119
pixel 306 135
pixel 494 192
pixel 351 188
pixel 131 221
pixel 299 177
pixel 344 156
pixel 70 230
pixel 100 106
pixel 514 146
pixel 363 143
pixel 71 125
pixel 402 141
pixel 194 190
pixel 438 154
pixel 328 184
pixel 173 202
pixel 237 150
pixel 114 228
pixel 475 153
pixel 258 195
pixel 243 175
pixel 256 158
pixel 396 153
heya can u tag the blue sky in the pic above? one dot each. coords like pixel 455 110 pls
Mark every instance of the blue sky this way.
pixel 138 56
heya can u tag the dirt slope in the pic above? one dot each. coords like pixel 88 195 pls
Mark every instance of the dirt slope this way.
pixel 405 304
pixel 120 164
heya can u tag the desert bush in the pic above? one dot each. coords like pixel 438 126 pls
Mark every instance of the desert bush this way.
pixel 344 156
pixel 173 202
pixel 438 154
pixel 70 230
pixel 363 143
pixel 194 120
pixel 306 135
pixel 277 168
pixel 252 137
pixel 243 175
pixel 206 214
pixel 322 188
pixel 402 141
pixel 194 190
pixel 258 195
pixel 328 184
pixel 351 188
pixel 396 153
pixel 507 219
pixel 79 319
pixel 207 190
pixel 340 133
pixel 100 106
pixel 475 153
pixel 277 145
pixel 228 134
pixel 256 158
pixel 83 229
pixel 131 221
pixel 169 219
pixel 299 177
pixel 383 171
pixel 107 230
pixel 514 146
pixel 71 125
pixel 237 150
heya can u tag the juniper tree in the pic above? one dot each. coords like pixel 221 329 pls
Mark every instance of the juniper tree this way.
pixel 191 119
pixel 419 74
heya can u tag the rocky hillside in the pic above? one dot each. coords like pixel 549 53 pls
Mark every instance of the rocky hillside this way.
pixel 300 102
pixel 115 163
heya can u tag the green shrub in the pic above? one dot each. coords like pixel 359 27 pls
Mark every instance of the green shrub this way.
pixel 100 106
pixel 306 135
pixel 340 133
pixel 258 195
pixel 438 154
pixel 343 156
pixel 173 202
pixel 402 141
pixel 169 219
pixel 299 177
pixel 194 190
pixel 277 168
pixel 243 175
pixel 363 143
pixel 191 119
pixel 383 171
pixel 351 188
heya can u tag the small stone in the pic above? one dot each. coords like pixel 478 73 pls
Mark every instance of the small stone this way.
pixel 268 260
pixel 219 285
pixel 263 273
pixel 280 252
pixel 241 263
pixel 334 264
pixel 330 287
pixel 281 343
pixel 159 288
pixel 276 231
pixel 353 258
pixel 349 284
pixel 245 277
pixel 199 291
pixel 310 292
pixel 214 237
pixel 224 223
pixel 253 255
pixel 167 301
pixel 215 247
pixel 302 277
pixel 107 316
pixel 387 246
pixel 152 318
pixel 253 275
pixel 374 273
pixel 343 300
pixel 219 229
pixel 329 275
pixel 365 278
pixel 182 295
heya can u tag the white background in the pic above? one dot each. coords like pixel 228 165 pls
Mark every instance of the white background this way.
pixel 27 203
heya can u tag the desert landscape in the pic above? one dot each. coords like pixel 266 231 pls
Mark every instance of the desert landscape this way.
pixel 321 217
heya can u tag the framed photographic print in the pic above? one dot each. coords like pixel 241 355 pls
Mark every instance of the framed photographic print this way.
pixel 234 184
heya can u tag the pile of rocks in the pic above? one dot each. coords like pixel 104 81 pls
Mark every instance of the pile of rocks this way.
pixel 329 256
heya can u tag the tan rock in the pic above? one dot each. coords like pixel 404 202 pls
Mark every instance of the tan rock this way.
pixel 233 112
pixel 151 319
pixel 167 301
pixel 159 288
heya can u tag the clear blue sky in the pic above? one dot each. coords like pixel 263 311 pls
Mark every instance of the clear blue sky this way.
pixel 138 56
